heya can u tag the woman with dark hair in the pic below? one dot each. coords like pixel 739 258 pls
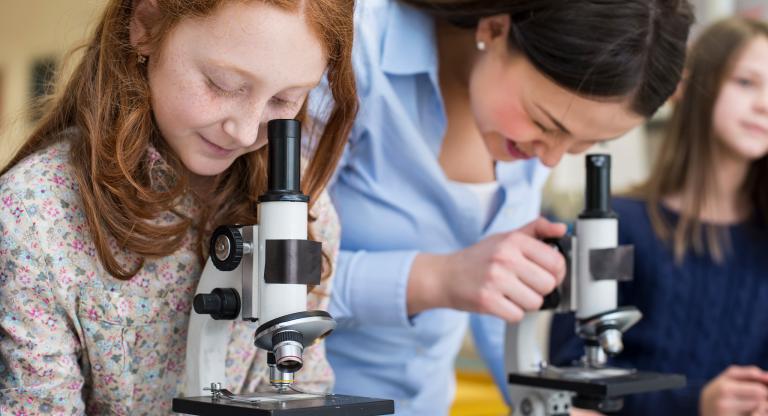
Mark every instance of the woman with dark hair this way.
pixel 158 136
pixel 699 229
pixel 463 104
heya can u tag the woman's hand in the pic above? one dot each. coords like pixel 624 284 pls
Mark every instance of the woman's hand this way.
pixel 503 275
pixel 736 391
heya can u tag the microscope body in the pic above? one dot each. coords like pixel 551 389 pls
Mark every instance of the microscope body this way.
pixel 595 265
pixel 260 275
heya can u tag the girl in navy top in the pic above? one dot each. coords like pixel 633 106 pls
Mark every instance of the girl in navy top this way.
pixel 699 230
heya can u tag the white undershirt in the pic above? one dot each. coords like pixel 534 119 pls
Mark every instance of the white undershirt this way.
pixel 487 196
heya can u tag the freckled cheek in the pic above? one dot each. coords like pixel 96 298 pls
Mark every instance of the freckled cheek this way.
pixel 182 103
pixel 197 111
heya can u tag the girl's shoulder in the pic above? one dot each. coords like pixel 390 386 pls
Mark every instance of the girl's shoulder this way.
pixel 44 177
pixel 41 217
pixel 39 200
pixel 635 225
pixel 629 206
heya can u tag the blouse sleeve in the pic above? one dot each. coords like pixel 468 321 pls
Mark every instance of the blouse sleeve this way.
pixel 39 350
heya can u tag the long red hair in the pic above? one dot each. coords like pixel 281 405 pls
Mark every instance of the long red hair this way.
pixel 107 99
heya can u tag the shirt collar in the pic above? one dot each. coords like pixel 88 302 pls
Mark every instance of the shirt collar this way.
pixel 409 43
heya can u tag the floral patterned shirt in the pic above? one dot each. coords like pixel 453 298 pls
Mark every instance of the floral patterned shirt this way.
pixel 74 340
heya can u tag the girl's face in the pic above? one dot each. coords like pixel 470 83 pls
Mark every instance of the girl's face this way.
pixel 218 80
pixel 740 117
pixel 523 114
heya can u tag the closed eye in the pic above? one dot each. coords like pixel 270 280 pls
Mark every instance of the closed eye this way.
pixel 544 129
pixel 280 101
pixel 285 103
pixel 219 90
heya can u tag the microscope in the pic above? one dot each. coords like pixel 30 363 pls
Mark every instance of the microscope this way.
pixel 260 274
pixel 595 263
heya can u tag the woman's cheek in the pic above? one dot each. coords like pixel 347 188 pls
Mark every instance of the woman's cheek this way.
pixel 517 126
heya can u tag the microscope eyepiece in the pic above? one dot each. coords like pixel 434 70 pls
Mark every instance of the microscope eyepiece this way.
pixel 597 196
pixel 284 165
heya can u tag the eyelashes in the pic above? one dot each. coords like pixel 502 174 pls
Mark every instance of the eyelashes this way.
pixel 283 102
pixel 228 93
pixel 216 88
pixel 544 129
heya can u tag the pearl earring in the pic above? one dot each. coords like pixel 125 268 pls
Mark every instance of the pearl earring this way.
pixel 480 45
pixel 141 59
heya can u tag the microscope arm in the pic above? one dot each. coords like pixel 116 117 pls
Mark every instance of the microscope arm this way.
pixel 524 344
pixel 207 338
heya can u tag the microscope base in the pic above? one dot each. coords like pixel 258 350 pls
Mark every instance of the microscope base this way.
pixel 555 390
pixel 299 405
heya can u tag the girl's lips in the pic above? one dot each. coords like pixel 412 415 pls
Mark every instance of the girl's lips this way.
pixel 216 149
pixel 755 128
pixel 515 151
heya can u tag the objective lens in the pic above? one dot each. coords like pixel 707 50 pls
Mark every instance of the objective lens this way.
pixel 288 349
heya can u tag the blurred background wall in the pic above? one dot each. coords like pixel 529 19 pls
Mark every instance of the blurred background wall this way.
pixel 35 35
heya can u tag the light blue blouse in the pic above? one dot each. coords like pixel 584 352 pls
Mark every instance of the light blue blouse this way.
pixel 394 201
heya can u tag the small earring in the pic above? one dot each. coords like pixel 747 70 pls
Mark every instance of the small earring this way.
pixel 480 45
pixel 141 59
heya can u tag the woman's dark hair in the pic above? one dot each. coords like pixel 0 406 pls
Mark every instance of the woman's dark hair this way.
pixel 599 48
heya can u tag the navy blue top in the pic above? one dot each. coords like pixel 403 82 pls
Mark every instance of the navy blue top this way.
pixel 699 317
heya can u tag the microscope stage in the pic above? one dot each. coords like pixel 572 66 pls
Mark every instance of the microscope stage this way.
pixel 584 382
pixel 286 405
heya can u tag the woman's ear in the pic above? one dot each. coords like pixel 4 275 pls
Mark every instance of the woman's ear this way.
pixel 145 14
pixel 493 31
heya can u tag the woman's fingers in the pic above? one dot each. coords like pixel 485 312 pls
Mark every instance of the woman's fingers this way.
pixel 533 250
pixel 498 305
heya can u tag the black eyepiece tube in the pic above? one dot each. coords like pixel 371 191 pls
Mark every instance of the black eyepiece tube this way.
pixel 598 192
pixel 284 172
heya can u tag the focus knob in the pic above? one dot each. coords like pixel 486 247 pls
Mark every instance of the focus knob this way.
pixel 226 249
pixel 220 304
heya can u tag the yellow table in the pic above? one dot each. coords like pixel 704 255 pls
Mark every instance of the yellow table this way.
pixel 477 395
